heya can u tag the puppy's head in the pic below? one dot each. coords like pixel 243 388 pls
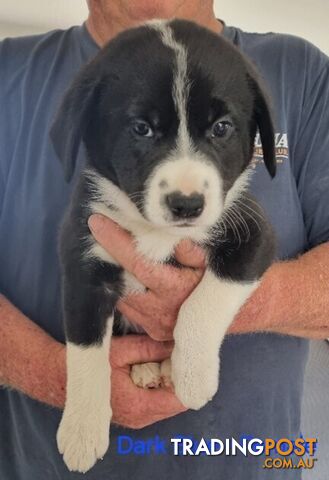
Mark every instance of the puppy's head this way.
pixel 168 112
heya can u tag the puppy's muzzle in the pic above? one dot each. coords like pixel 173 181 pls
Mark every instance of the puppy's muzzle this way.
pixel 185 206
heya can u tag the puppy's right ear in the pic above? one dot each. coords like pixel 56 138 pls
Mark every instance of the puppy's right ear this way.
pixel 264 119
pixel 72 119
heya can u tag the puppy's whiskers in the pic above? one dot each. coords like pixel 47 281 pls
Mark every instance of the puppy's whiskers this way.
pixel 250 212
pixel 138 198
pixel 240 221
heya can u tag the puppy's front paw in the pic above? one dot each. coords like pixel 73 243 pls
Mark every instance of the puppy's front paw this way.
pixel 146 375
pixel 195 382
pixel 82 440
pixel 152 374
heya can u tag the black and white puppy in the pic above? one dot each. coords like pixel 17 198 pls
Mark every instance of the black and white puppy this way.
pixel 168 114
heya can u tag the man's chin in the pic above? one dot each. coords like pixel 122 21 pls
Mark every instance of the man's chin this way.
pixel 144 10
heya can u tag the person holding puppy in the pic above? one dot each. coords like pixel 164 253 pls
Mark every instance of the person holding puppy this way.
pixel 262 374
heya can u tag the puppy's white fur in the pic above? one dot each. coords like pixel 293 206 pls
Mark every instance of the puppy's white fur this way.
pixel 152 374
pixel 195 360
pixel 213 304
pixel 146 375
pixel 181 85
pixel 154 242
pixel 83 434
pixel 192 174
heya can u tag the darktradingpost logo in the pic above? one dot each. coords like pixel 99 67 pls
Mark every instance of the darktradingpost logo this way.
pixel 280 453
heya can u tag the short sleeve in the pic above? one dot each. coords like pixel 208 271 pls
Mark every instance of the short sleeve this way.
pixel 312 152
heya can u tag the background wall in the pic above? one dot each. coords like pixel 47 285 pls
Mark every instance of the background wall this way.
pixel 306 18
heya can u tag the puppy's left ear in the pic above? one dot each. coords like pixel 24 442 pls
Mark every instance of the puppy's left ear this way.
pixel 72 118
pixel 264 121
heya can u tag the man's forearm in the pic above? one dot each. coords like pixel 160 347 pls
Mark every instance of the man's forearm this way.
pixel 292 299
pixel 30 360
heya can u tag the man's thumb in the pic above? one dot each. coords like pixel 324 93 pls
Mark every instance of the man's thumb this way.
pixel 133 349
pixel 190 255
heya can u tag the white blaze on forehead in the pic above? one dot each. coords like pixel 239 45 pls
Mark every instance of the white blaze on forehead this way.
pixel 180 83
pixel 185 169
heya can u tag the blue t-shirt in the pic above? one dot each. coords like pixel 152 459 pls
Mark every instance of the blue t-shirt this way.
pixel 261 374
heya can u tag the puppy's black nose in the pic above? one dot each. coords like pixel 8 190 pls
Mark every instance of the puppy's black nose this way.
pixel 183 206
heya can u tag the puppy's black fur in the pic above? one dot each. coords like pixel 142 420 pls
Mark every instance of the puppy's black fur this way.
pixel 129 78
pixel 122 107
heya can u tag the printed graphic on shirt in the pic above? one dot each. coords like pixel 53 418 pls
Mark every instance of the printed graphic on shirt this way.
pixel 281 149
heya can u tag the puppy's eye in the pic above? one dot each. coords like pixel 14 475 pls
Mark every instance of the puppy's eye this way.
pixel 142 129
pixel 221 128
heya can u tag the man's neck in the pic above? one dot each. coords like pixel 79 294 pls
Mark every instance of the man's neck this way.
pixel 104 24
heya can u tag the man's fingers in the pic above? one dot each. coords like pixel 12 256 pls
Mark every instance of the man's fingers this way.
pixel 138 301
pixel 190 255
pixel 133 315
pixel 163 402
pixel 157 331
pixel 115 240
pixel 145 406
pixel 120 246
pixel 132 349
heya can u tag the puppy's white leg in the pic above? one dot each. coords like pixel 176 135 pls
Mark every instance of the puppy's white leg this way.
pixel 83 434
pixel 201 326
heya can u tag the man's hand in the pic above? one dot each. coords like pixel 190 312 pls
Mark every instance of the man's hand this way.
pixel 157 309
pixel 132 406
pixel 292 298
pixel 35 364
